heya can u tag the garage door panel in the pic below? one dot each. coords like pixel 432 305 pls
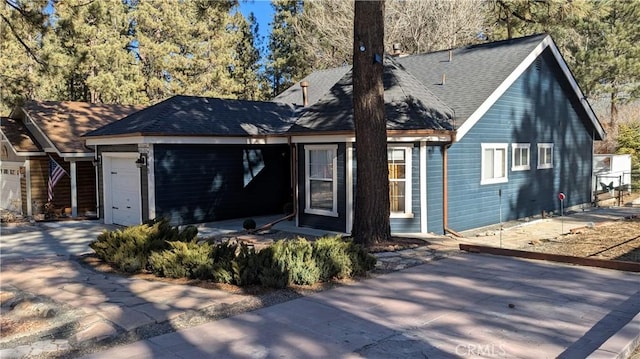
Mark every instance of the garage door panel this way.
pixel 125 192
pixel 10 187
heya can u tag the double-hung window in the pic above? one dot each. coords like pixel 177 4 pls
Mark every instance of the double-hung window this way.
pixel 494 163
pixel 321 180
pixel 545 155
pixel 520 156
pixel 399 164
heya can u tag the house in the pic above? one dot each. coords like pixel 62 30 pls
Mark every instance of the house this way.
pixel 523 133
pixel 39 131
pixel 476 135
pixel 195 159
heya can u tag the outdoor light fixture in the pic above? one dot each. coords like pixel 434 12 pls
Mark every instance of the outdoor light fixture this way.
pixel 141 162
pixel 97 161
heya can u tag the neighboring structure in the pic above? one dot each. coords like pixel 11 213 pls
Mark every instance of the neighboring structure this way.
pixel 37 131
pixel 611 172
pixel 477 135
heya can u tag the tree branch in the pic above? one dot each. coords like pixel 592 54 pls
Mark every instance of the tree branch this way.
pixel 26 47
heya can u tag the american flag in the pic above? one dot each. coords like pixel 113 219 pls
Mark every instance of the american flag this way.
pixel 55 173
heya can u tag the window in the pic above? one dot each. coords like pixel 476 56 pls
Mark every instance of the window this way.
pixel 320 174
pixel 399 163
pixel 494 163
pixel 519 156
pixel 545 155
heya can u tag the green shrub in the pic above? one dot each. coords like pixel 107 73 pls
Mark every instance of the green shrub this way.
pixel 249 224
pixel 247 264
pixel 129 249
pixel 223 256
pixel 288 262
pixel 183 259
pixel 333 258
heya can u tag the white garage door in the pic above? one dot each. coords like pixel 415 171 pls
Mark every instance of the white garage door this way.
pixel 10 187
pixel 124 179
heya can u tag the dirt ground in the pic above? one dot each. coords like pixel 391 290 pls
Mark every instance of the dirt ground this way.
pixel 617 240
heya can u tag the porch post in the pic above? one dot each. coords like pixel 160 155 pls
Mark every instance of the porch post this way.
pixel 74 190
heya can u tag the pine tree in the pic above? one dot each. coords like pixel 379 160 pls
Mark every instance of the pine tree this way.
pixel 22 25
pixel 287 61
pixel 372 207
pixel 608 59
pixel 246 60
pixel 90 53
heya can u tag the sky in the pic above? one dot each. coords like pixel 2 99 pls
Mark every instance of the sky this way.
pixel 263 12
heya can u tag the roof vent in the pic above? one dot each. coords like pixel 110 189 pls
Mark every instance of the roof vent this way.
pixel 397 49
pixel 450 55
pixel 305 93
pixel 444 79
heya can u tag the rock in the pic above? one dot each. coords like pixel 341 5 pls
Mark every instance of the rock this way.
pixel 535 242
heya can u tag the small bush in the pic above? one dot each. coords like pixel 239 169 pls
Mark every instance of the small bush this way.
pixel 184 259
pixel 249 224
pixel 333 258
pixel 248 266
pixel 129 249
pixel 223 256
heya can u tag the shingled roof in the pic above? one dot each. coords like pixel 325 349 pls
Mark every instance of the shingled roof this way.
pixel 202 116
pixel 409 105
pixel 475 77
pixel 319 84
pixel 473 73
pixel 18 136
pixel 63 123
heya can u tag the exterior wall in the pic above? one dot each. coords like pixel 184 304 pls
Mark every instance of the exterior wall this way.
pixel 535 109
pixel 203 183
pixel 435 222
pixel 336 224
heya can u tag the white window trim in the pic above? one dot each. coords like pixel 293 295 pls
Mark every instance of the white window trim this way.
pixel 408 155
pixel 307 188
pixel 525 167
pixel 486 146
pixel 545 146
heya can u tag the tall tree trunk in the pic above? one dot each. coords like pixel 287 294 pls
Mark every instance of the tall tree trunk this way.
pixel 371 218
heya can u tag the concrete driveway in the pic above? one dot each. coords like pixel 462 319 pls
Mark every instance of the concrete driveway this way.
pixel 49 238
pixel 464 306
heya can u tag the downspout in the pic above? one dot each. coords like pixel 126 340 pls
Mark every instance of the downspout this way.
pixel 98 167
pixel 445 192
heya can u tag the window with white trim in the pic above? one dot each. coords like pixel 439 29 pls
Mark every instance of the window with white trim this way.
pixel 520 156
pixel 494 163
pixel 399 164
pixel 545 155
pixel 321 180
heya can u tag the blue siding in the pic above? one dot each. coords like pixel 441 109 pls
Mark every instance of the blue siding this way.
pixel 202 183
pixel 535 109
pixel 336 224
pixel 435 222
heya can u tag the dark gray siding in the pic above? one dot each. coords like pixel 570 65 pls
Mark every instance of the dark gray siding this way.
pixel 411 225
pixel 535 109
pixel 434 190
pixel 336 224
pixel 202 183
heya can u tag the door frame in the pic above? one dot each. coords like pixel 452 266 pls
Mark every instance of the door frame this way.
pixel 107 158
